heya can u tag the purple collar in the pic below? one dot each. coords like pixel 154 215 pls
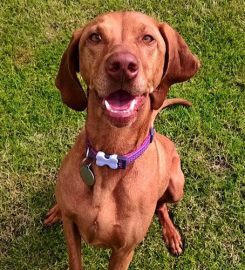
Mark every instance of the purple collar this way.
pixel 119 162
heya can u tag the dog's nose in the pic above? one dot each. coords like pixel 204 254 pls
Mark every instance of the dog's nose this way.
pixel 122 64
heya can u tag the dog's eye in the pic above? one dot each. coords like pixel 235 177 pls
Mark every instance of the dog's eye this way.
pixel 148 38
pixel 95 37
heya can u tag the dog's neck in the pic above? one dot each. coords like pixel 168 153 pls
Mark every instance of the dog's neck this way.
pixel 103 136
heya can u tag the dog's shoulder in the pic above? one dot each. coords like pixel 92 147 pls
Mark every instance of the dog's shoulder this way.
pixel 165 143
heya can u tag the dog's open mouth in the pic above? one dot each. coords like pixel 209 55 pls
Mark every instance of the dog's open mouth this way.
pixel 121 105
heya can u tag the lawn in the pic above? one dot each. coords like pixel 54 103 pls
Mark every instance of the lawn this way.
pixel 37 130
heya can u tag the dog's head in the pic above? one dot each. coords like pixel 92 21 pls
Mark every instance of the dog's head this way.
pixel 125 58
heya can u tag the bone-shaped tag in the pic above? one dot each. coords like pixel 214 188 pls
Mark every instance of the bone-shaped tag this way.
pixel 101 160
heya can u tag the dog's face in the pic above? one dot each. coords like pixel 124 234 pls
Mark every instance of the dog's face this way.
pixel 124 58
pixel 121 59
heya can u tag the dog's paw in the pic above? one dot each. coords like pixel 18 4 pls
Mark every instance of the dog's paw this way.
pixel 174 241
pixel 171 233
pixel 53 216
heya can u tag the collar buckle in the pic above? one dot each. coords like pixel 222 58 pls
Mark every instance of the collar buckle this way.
pixel 122 162
pixel 152 132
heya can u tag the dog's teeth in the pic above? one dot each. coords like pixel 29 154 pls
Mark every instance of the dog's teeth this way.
pixel 126 111
pixel 151 89
pixel 108 107
pixel 132 105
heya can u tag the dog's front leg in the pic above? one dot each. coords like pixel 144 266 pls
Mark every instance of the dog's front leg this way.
pixel 120 259
pixel 73 241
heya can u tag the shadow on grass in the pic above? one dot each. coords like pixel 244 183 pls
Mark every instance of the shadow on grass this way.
pixel 36 246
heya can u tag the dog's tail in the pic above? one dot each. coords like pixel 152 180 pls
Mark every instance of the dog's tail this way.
pixel 170 102
pixel 175 101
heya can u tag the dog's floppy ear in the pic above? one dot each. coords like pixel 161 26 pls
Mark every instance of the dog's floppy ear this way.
pixel 180 64
pixel 66 80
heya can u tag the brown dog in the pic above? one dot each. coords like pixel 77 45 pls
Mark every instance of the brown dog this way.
pixel 128 61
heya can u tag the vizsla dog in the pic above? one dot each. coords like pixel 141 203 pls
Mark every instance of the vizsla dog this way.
pixel 120 172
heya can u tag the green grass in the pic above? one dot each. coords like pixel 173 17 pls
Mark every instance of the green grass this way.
pixel 37 130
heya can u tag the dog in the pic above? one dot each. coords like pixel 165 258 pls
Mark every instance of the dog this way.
pixel 120 171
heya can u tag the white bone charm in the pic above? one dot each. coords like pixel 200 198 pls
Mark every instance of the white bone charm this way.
pixel 101 160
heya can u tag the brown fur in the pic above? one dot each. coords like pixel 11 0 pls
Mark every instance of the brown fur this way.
pixel 117 211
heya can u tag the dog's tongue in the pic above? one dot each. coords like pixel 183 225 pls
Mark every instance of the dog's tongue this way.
pixel 119 101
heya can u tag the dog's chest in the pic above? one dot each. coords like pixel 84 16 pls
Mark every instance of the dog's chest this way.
pixel 118 208
pixel 100 224
pixel 115 213
pixel 107 216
